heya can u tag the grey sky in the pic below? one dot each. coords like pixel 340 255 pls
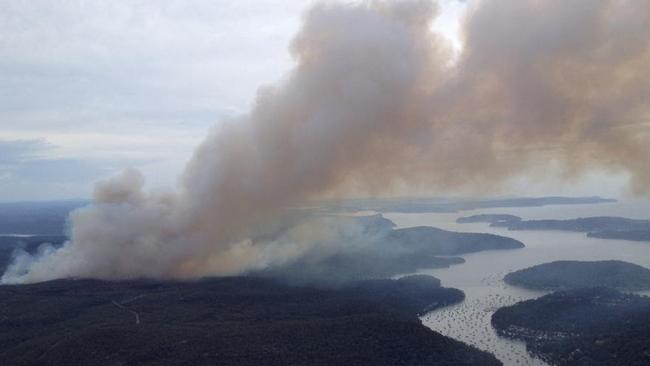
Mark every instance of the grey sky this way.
pixel 88 88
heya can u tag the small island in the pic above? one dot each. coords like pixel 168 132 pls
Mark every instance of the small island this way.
pixel 576 274
pixel 589 326
pixel 442 242
pixel 422 205
pixel 583 224
pixel 632 235
pixel 606 227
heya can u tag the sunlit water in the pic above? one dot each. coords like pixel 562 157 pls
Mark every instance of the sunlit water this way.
pixel 480 277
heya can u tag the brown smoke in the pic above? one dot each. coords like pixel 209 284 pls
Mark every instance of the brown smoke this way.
pixel 375 103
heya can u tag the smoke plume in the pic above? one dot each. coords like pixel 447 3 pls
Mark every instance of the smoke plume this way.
pixel 376 102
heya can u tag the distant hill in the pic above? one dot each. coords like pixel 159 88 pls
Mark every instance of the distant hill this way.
pixel 632 235
pixel 586 224
pixel 443 242
pixel 421 205
pixel 608 227
pixel 49 217
pixel 37 218
pixel 227 321
pixel 590 327
pixel 575 274
pixel 488 218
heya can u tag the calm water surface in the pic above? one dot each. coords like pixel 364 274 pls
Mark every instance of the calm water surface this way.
pixel 480 277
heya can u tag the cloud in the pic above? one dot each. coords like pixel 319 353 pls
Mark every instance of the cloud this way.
pixel 16 151
pixel 60 170
pixel 168 59
pixel 136 81
pixel 28 170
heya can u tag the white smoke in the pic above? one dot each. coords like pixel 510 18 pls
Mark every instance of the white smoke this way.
pixel 374 103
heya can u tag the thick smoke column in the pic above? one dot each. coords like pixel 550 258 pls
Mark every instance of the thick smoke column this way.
pixel 376 103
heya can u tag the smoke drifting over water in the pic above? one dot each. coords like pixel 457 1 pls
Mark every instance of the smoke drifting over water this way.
pixel 375 103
